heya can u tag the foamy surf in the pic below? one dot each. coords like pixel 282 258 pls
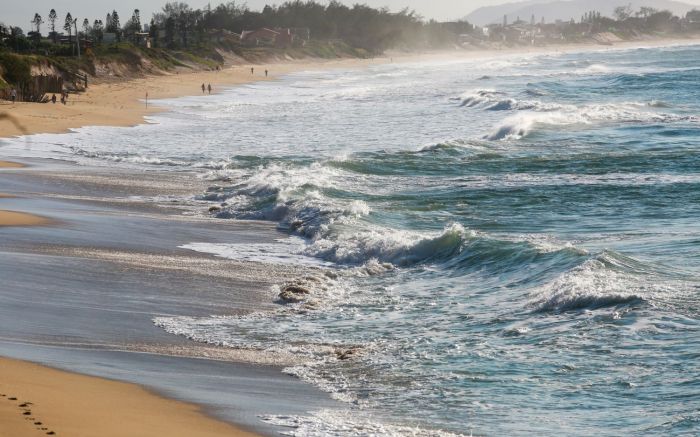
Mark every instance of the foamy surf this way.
pixel 471 236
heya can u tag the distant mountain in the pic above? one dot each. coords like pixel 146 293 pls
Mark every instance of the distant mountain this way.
pixel 565 10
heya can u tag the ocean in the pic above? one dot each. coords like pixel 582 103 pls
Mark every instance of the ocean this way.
pixel 507 245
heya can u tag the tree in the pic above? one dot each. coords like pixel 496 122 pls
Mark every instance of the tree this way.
pixel 68 27
pixel 86 27
pixel 97 31
pixel 623 12
pixel 52 21
pixel 116 25
pixel 660 20
pixel 153 32
pixel 176 17
pixel 136 19
pixel 693 16
pixel 646 11
pixel 170 31
pixel 37 22
pixel 133 26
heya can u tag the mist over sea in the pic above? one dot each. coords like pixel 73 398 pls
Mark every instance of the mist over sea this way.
pixel 513 242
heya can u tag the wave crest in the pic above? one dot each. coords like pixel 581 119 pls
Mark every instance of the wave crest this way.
pixel 596 283
pixel 401 248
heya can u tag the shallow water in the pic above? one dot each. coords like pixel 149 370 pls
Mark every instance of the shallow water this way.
pixel 515 240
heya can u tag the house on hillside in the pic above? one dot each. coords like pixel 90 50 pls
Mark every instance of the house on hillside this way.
pixel 262 36
pixel 222 35
pixel 278 37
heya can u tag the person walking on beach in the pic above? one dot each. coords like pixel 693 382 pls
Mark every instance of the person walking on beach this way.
pixel 209 88
pixel 203 89
pixel 252 70
pixel 53 98
pixel 265 73
pixel 13 95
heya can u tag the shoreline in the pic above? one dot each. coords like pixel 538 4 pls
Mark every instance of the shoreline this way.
pixel 93 291
pixel 40 400
pixel 118 104
pixel 16 218
pixel 123 103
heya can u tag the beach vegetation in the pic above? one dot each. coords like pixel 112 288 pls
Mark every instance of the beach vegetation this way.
pixel 180 36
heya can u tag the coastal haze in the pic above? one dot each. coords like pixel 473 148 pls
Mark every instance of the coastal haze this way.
pixel 442 10
pixel 18 13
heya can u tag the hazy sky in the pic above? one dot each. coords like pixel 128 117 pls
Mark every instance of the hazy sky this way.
pixel 20 13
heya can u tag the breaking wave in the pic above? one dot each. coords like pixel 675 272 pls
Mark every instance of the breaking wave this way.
pixel 520 125
pixel 606 280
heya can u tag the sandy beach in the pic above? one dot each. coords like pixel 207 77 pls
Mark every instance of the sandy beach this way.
pixel 9 164
pixel 82 295
pixel 39 400
pixel 13 218
pixel 124 103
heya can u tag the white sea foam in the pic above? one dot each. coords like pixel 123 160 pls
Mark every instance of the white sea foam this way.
pixel 283 251
pixel 522 124
pixel 386 245
pixel 591 285
pixel 347 423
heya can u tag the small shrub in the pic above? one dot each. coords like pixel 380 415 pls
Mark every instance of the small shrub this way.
pixel 15 69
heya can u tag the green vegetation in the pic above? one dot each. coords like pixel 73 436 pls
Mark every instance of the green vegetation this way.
pixel 180 36
pixel 16 69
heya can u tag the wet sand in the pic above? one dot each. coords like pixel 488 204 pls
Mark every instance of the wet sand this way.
pixel 81 295
pixel 37 400
pixel 124 103
pixel 10 164
pixel 15 218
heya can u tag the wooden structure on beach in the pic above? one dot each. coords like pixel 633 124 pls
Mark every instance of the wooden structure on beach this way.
pixel 36 89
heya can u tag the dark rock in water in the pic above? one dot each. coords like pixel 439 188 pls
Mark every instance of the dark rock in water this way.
pixel 291 297
pixel 345 354
pixel 297 289
pixel 311 305
pixel 214 208
pixel 331 275
pixel 292 293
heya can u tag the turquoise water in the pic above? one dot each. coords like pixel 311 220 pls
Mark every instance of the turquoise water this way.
pixel 515 240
